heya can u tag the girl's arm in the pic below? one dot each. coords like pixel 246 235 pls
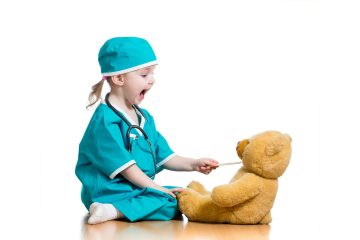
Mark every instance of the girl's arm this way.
pixel 203 165
pixel 134 175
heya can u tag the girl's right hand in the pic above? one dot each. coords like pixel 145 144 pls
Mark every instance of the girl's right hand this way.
pixel 171 191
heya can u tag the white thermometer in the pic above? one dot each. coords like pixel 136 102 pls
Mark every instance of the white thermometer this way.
pixel 229 163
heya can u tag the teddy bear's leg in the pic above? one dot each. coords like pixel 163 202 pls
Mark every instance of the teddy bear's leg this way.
pixel 267 219
pixel 198 187
pixel 200 208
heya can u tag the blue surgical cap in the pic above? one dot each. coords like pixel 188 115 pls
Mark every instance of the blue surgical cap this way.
pixel 125 54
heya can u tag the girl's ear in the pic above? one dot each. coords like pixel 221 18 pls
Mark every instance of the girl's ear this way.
pixel 118 80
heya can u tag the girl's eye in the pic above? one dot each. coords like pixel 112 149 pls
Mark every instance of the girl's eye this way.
pixel 143 75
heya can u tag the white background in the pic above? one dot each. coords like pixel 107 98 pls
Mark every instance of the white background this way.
pixel 228 70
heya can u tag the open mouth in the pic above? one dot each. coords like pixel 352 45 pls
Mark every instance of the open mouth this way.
pixel 143 92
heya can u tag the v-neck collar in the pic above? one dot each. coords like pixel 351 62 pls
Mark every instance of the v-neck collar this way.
pixel 131 121
pixel 142 118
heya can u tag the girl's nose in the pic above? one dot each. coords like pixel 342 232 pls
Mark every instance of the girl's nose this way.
pixel 151 80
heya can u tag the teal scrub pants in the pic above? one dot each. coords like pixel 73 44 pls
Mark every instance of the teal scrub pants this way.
pixel 148 204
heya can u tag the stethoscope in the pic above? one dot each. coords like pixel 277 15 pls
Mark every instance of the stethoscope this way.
pixel 131 127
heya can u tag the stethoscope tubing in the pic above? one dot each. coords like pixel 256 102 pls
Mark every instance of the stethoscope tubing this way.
pixel 131 127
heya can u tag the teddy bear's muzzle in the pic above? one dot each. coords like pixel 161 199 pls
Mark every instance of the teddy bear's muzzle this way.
pixel 241 146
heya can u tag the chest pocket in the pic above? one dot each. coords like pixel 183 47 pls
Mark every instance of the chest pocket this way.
pixel 141 151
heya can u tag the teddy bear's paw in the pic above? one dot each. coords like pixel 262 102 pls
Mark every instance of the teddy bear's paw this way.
pixel 198 187
pixel 267 219
pixel 187 203
pixel 194 185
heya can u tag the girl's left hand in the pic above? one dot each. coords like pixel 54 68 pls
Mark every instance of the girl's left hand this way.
pixel 205 165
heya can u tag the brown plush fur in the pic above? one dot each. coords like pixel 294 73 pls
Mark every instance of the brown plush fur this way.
pixel 250 195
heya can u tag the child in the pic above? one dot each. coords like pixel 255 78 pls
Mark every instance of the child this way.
pixel 121 150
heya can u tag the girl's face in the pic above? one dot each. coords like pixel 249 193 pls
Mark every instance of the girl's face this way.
pixel 138 83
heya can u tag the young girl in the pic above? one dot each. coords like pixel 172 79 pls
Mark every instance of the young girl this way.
pixel 121 150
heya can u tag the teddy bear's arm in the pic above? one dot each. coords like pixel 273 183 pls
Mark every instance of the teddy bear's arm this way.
pixel 239 191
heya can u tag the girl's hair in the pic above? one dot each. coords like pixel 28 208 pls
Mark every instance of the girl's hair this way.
pixel 95 94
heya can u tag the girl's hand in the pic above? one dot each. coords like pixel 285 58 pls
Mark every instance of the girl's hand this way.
pixel 205 165
pixel 171 192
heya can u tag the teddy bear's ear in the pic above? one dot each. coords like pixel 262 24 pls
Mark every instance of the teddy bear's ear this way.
pixel 241 146
pixel 288 136
pixel 273 147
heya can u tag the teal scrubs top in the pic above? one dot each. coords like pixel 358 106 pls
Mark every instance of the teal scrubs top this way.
pixel 103 155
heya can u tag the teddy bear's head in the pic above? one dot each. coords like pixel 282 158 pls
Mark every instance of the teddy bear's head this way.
pixel 267 154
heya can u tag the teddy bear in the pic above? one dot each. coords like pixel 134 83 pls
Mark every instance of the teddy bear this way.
pixel 250 195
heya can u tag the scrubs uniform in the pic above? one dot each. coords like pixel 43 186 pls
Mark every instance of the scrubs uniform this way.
pixel 103 155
